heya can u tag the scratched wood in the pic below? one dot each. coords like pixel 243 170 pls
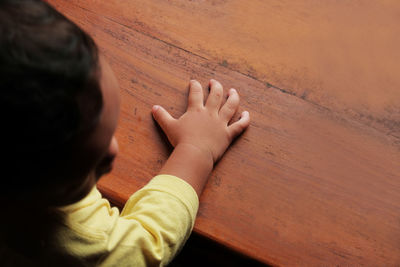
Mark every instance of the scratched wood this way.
pixel 342 55
pixel 311 182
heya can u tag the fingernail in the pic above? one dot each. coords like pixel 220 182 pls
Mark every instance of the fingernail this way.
pixel 156 107
pixel 245 114
pixel 232 90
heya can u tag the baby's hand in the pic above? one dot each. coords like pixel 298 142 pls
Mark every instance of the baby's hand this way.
pixel 205 127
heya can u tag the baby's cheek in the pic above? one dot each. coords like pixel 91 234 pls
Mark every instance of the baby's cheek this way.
pixel 113 148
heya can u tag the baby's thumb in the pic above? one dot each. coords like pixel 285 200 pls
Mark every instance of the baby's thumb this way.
pixel 163 118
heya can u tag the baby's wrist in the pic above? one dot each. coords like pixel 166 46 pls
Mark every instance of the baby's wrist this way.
pixel 204 157
pixel 191 164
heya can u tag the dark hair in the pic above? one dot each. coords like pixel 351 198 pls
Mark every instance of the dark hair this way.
pixel 49 90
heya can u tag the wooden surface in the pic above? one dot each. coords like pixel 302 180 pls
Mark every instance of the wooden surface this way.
pixel 315 180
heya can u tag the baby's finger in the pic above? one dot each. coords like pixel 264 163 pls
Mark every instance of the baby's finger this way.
pixel 236 128
pixel 162 117
pixel 230 106
pixel 196 97
pixel 214 99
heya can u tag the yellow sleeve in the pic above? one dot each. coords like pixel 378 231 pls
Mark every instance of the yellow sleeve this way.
pixel 152 227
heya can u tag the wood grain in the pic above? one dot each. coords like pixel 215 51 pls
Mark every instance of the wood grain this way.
pixel 342 55
pixel 312 182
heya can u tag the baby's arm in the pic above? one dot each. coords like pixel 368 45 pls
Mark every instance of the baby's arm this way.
pixel 158 219
pixel 202 134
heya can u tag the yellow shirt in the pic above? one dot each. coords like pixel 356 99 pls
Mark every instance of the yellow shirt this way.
pixel 152 227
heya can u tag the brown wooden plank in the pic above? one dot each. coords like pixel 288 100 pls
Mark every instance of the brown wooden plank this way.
pixel 303 186
pixel 342 55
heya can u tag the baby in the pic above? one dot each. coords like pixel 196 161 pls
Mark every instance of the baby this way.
pixel 59 111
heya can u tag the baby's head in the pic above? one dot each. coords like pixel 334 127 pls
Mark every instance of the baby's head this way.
pixel 59 105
